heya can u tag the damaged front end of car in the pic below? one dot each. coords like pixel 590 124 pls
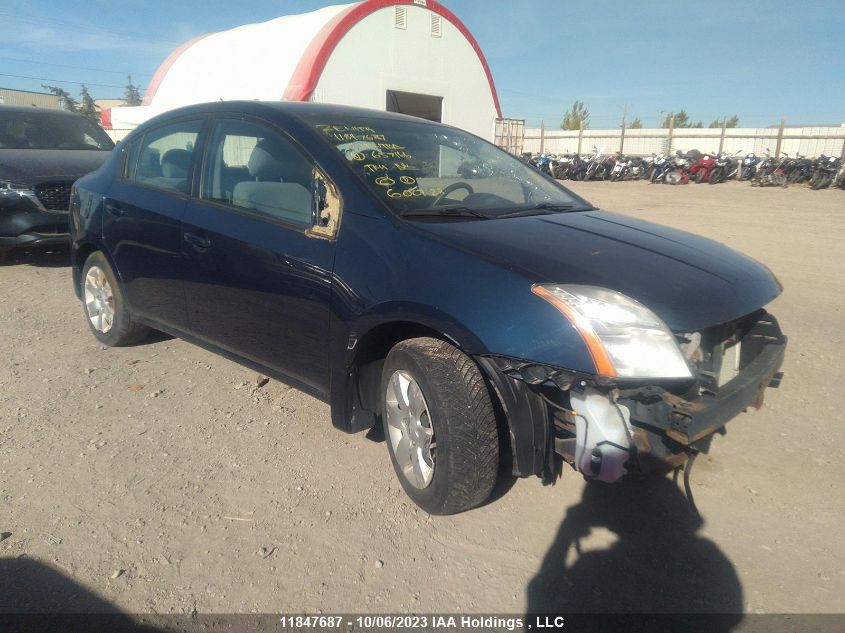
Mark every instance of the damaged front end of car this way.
pixel 607 426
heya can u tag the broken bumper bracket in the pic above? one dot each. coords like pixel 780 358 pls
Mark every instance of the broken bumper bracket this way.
pixel 688 421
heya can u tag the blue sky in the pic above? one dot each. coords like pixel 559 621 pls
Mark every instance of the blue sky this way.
pixel 759 60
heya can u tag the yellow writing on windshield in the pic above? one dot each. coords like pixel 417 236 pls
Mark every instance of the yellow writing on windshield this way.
pixel 375 167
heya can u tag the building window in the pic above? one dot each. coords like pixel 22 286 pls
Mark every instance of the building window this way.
pixel 400 17
pixel 435 25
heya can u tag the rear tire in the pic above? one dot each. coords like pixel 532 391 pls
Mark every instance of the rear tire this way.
pixel 463 452
pixel 104 305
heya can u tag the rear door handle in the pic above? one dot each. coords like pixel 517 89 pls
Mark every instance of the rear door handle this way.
pixel 198 242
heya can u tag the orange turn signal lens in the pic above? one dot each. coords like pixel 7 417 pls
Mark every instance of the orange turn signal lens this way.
pixel 601 360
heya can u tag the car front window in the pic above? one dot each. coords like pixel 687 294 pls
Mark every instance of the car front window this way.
pixel 50 130
pixel 421 169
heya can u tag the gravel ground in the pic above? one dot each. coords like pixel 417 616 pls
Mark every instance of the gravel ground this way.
pixel 162 478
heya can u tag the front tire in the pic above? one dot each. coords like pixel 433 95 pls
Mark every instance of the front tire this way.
pixel 104 305
pixel 715 176
pixel 821 183
pixel 439 426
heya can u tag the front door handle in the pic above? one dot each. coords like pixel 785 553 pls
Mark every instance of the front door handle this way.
pixel 114 208
pixel 198 242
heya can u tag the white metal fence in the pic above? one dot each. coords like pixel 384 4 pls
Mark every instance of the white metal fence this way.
pixel 807 141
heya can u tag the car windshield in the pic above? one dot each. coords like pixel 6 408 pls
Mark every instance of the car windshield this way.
pixel 428 170
pixel 49 130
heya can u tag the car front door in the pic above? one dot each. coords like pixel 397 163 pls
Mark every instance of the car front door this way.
pixel 142 220
pixel 259 272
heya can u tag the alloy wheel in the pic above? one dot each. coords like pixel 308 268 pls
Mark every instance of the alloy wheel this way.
pixel 99 299
pixel 410 431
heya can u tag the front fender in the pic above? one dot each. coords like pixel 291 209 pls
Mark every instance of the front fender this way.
pixel 377 329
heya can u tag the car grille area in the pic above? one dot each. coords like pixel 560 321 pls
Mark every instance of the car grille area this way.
pixel 54 195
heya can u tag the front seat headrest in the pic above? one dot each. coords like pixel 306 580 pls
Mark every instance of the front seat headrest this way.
pixel 267 161
pixel 273 160
pixel 175 163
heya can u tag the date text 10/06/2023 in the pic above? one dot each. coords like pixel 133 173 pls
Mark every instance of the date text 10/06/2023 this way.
pixel 403 622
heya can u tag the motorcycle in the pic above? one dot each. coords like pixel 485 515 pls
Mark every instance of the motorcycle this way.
pixel 660 165
pixel 826 173
pixel 769 173
pixel 701 169
pixel 678 171
pixel 725 168
pixel 749 166
pixel 800 170
pixel 578 167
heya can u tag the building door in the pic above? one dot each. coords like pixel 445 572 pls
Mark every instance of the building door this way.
pixel 422 106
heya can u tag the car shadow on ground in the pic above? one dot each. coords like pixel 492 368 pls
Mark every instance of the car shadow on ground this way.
pixel 38 598
pixel 28 586
pixel 657 565
pixel 35 597
pixel 155 336
pixel 52 257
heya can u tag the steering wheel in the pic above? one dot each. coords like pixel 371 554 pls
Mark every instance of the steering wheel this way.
pixel 449 189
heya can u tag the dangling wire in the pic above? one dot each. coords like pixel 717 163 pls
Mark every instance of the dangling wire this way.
pixel 687 488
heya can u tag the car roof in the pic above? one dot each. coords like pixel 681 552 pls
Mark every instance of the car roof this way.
pixel 31 109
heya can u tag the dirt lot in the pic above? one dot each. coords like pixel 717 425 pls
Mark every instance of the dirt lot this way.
pixel 159 478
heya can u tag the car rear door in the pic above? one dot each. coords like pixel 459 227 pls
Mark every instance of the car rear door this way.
pixel 258 277
pixel 142 220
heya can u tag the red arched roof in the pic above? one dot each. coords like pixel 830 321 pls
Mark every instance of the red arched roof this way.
pixel 155 82
pixel 316 56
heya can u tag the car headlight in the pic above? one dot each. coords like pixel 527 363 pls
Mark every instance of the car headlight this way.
pixel 625 339
pixel 5 186
pixel 12 192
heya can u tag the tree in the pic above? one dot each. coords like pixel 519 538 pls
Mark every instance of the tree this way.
pixel 132 96
pixel 576 117
pixel 68 102
pixel 636 124
pixel 87 108
pixel 681 120
pixel 732 122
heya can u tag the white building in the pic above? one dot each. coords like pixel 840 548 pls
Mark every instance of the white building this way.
pixel 410 56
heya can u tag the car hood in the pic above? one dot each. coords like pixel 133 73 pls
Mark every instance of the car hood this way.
pixel 689 281
pixel 31 166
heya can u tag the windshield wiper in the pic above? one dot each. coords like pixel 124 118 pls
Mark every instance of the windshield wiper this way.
pixel 447 212
pixel 539 209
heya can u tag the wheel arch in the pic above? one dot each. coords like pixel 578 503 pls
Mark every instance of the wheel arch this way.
pixel 356 405
pixel 80 256
pixel 355 401
pixel 81 253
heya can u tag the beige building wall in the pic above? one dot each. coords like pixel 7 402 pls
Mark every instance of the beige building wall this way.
pixel 9 96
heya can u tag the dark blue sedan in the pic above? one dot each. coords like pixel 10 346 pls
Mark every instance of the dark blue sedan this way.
pixel 409 272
